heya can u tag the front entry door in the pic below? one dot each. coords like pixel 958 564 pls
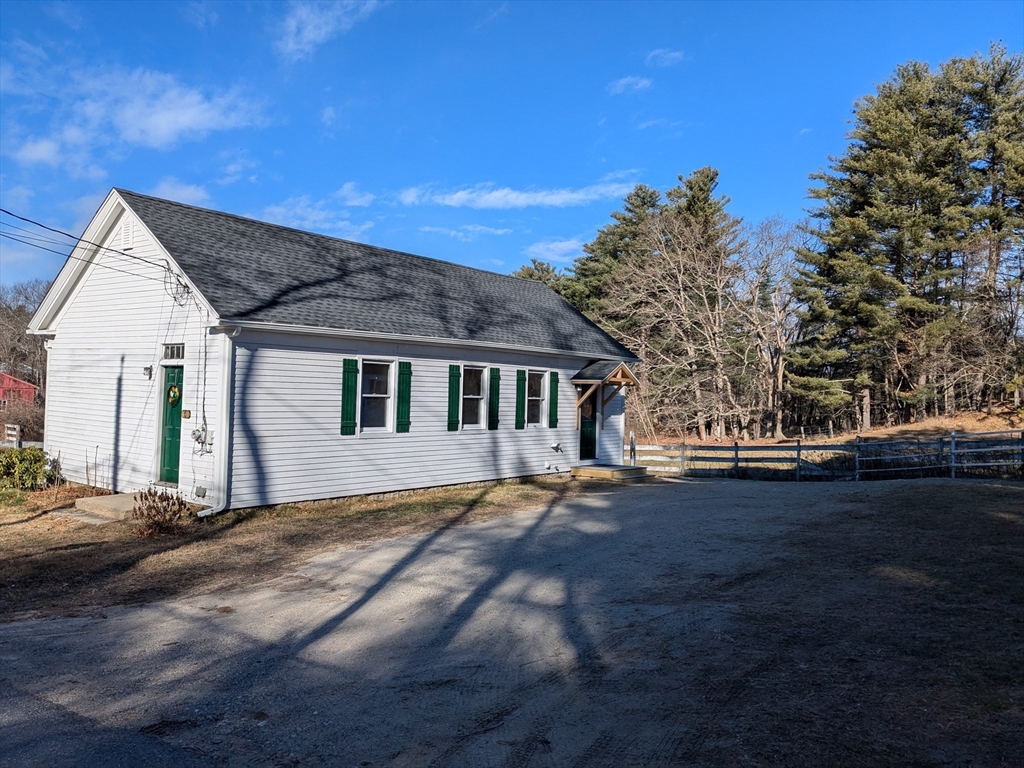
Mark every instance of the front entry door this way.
pixel 170 444
pixel 588 428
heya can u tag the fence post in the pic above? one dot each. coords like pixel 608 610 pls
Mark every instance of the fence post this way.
pixel 632 448
pixel 798 450
pixel 682 460
pixel 856 459
pixel 735 459
pixel 952 454
pixel 942 445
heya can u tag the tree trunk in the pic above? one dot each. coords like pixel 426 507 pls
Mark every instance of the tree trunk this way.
pixel 865 419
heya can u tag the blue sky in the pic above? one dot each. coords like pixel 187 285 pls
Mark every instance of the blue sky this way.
pixel 484 133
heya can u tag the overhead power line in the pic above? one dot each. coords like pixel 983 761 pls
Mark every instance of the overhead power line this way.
pixel 83 240
pixel 78 258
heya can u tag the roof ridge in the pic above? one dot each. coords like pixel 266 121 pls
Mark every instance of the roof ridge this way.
pixel 250 219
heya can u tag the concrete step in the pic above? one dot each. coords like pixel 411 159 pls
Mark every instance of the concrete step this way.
pixel 116 507
pixel 610 472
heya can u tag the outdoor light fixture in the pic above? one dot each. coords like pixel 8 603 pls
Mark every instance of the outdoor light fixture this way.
pixel 148 371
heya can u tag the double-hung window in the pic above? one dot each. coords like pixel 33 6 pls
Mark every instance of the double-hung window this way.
pixel 472 397
pixel 534 397
pixel 375 394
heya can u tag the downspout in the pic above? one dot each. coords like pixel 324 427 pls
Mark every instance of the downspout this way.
pixel 222 463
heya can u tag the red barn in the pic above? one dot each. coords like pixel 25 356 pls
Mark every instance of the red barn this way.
pixel 15 389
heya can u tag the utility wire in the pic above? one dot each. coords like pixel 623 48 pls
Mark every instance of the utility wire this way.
pixel 83 240
pixel 28 234
pixel 78 258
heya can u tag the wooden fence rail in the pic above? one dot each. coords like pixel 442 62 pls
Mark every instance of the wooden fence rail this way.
pixel 953 455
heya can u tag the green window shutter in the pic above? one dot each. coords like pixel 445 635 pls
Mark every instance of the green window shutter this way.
pixel 492 399
pixel 349 385
pixel 403 421
pixel 553 400
pixel 520 399
pixel 454 376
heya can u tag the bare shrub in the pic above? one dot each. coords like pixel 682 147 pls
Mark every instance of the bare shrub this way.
pixel 28 414
pixel 159 512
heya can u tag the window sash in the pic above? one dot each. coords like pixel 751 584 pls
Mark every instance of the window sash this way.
pixel 472 396
pixel 375 396
pixel 534 396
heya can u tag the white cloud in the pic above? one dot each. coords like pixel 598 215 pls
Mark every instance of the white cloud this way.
pixel 412 196
pixel 309 25
pixel 152 109
pixel 64 12
pixel 113 109
pixel 629 85
pixel 658 121
pixel 479 229
pixel 486 196
pixel 663 57
pixel 556 250
pixel 805 131
pixel 327 116
pixel 499 11
pixel 466 233
pixel 16 198
pixel 302 212
pixel 45 151
pixel 454 233
pixel 200 15
pixel 237 163
pixel 349 194
pixel 170 188
pixel 84 208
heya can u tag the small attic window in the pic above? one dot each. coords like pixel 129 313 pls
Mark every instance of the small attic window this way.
pixel 174 351
pixel 127 234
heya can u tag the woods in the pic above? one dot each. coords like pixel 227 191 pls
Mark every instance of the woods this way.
pixel 902 296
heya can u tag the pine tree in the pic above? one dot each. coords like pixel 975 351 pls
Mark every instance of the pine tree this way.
pixel 925 178
pixel 591 272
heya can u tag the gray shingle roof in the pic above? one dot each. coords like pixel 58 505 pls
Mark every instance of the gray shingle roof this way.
pixel 254 271
pixel 596 371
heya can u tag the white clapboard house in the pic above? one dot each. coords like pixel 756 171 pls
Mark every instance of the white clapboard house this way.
pixel 248 364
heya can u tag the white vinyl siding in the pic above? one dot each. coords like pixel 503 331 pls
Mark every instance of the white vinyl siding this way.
pixel 102 411
pixel 286 444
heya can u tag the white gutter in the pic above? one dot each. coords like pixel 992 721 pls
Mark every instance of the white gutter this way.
pixel 433 340
pixel 222 438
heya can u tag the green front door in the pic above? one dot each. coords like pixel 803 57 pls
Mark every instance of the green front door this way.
pixel 170 444
pixel 588 428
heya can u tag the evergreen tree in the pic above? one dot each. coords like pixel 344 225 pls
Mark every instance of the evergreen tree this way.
pixel 925 179
pixel 542 272
pixel 591 272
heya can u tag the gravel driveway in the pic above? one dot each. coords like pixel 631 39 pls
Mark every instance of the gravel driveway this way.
pixel 574 635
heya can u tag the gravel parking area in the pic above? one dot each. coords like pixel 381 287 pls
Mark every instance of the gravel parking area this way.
pixel 674 623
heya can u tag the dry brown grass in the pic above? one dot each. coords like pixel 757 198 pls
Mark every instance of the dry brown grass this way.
pixel 57 566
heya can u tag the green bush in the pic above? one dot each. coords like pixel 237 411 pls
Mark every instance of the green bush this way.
pixel 25 469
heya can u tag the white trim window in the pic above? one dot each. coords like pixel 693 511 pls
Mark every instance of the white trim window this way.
pixel 375 394
pixel 474 397
pixel 535 397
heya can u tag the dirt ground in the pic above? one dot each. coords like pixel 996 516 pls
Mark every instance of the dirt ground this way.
pixel 711 622
pixel 55 566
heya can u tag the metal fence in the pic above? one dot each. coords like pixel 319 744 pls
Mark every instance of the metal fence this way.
pixel 976 454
